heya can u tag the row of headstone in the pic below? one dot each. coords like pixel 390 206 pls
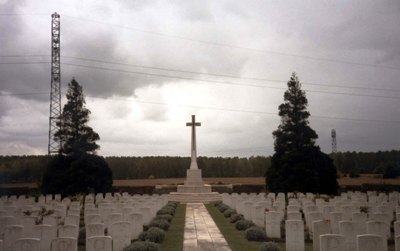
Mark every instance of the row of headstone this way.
pixel 350 215
pixel 111 221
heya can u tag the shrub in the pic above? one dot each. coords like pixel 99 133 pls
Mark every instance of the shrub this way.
pixel 82 236
pixel 166 210
pixel 172 204
pixel 146 227
pixel 154 234
pixel 255 234
pixel 160 223
pixel 217 203
pixel 236 217
pixel 243 224
pixel 142 246
pixel 228 212
pixel 269 246
pixel 167 217
pixel 70 175
pixel 222 207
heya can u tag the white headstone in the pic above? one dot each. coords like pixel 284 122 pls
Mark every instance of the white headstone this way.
pixel 72 220
pixel 26 244
pixel 396 228
pixel 46 234
pixel 113 218
pixel 397 243
pixel 71 231
pixel 92 218
pixel 350 231
pixel 294 235
pixel 94 229
pixel 121 235
pixel 320 227
pixel 136 220
pixel 294 215
pixel 64 244
pixel 379 228
pixel 273 224
pixel 99 243
pixel 371 242
pixel 11 234
pixel 332 242
pixel 335 218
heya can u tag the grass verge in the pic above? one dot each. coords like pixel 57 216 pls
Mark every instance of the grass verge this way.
pixel 235 238
pixel 174 236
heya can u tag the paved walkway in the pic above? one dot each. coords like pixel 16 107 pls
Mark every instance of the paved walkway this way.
pixel 201 233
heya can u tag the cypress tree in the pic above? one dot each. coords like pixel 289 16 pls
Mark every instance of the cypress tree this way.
pixel 77 168
pixel 298 164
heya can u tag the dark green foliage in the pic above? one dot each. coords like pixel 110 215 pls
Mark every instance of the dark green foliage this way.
pixel 358 162
pixel 217 203
pixel 76 136
pixel 243 224
pixel 160 223
pixel 222 207
pixel 166 217
pixel 255 234
pixel 172 204
pixel 229 212
pixel 236 217
pixel 82 236
pixel 166 210
pixel 31 168
pixel 391 171
pixel 69 176
pixel 76 169
pixel 142 246
pixel 298 164
pixel 154 234
pixel 269 246
pixel 175 167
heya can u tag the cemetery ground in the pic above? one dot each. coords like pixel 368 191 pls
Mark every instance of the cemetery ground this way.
pixel 343 181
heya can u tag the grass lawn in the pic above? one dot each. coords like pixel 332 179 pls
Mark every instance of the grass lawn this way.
pixel 234 237
pixel 174 236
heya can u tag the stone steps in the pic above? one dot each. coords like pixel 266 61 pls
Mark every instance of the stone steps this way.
pixel 194 197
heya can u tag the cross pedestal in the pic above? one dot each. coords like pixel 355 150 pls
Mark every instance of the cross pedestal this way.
pixel 194 189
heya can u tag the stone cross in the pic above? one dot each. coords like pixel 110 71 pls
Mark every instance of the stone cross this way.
pixel 193 124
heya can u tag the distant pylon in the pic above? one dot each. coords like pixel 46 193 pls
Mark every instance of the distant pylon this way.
pixel 55 93
pixel 333 134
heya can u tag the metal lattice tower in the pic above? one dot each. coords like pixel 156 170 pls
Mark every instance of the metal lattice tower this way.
pixel 333 134
pixel 55 94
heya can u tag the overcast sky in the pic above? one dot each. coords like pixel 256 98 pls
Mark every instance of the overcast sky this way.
pixel 147 66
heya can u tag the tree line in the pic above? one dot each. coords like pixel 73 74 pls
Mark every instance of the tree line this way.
pixel 31 168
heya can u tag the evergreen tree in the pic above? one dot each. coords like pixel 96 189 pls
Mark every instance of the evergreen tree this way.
pixel 75 135
pixel 77 168
pixel 298 164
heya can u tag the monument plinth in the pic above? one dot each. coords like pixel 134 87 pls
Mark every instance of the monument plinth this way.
pixel 194 189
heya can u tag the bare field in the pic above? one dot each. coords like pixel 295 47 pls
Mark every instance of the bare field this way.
pixel 176 181
pixel 364 179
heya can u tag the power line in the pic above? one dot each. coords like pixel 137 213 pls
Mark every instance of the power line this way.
pixel 224 82
pixel 198 73
pixel 23 94
pixel 24 56
pixel 210 108
pixel 194 72
pixel 239 110
pixel 235 46
pixel 16 63
pixel 207 80
pixel 222 75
